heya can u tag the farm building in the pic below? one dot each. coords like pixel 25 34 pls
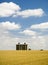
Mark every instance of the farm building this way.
pixel 21 46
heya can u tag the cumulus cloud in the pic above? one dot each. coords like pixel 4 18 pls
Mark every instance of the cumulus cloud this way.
pixel 28 32
pixel 12 9
pixel 7 39
pixel 8 9
pixel 40 26
pixel 31 12
pixel 9 26
pixel 39 42
pixel 34 40
pixel 36 37
pixel 8 42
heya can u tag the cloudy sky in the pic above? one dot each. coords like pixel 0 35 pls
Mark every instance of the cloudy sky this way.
pixel 23 21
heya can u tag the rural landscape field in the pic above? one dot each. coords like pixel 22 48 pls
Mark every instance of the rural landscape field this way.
pixel 27 57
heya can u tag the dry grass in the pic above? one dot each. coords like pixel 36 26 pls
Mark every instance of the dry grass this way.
pixel 32 57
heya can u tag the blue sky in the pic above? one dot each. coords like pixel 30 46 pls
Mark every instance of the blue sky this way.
pixel 23 21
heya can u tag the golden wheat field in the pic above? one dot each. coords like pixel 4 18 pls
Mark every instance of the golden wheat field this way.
pixel 32 57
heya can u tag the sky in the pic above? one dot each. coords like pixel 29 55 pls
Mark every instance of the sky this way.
pixel 24 21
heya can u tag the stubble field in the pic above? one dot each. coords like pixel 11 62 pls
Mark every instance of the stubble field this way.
pixel 29 57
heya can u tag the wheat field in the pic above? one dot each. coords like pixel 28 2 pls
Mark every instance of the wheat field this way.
pixel 28 57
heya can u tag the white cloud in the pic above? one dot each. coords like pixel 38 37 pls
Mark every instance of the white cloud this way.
pixel 8 9
pixel 31 12
pixel 40 26
pixel 7 39
pixel 10 26
pixel 12 9
pixel 35 42
pixel 39 42
pixel 7 42
pixel 28 32
pixel 36 39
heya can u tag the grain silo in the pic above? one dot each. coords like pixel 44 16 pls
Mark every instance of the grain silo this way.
pixel 21 46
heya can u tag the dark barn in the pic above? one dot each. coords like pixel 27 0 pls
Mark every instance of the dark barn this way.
pixel 21 46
